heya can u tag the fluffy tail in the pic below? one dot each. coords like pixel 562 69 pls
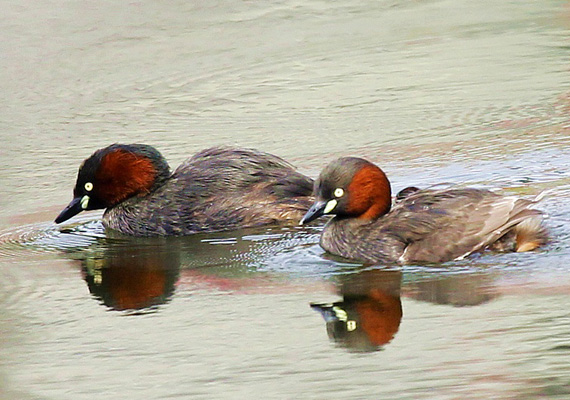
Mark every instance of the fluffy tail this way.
pixel 530 234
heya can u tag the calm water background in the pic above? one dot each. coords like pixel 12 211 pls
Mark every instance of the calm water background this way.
pixel 462 92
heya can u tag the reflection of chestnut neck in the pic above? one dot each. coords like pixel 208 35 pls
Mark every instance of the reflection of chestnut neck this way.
pixel 133 278
pixel 134 288
pixel 371 300
pixel 380 315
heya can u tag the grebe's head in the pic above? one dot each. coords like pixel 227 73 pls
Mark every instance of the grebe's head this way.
pixel 350 187
pixel 114 174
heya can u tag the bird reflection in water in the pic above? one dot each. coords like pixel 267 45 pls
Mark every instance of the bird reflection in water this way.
pixel 453 289
pixel 133 275
pixel 370 312
pixel 137 273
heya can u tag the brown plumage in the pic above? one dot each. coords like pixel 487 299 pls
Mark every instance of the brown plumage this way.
pixel 423 225
pixel 217 189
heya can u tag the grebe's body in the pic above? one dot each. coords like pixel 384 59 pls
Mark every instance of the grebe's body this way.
pixel 217 189
pixel 423 225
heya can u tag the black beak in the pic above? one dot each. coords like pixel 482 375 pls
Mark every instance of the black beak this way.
pixel 326 311
pixel 72 209
pixel 316 210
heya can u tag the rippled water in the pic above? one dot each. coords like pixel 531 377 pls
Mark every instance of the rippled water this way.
pixel 468 93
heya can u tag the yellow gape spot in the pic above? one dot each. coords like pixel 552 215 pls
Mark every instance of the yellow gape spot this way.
pixel 330 206
pixel 84 202
pixel 340 313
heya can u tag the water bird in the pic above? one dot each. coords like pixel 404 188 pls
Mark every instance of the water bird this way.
pixel 219 188
pixel 423 225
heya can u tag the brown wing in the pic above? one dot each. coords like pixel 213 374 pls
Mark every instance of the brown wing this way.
pixel 451 224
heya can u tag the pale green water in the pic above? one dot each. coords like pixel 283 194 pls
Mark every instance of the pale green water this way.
pixel 464 92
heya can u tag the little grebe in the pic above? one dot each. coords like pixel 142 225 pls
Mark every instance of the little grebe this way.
pixel 423 225
pixel 217 189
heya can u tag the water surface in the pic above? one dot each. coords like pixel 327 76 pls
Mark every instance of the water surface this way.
pixel 467 93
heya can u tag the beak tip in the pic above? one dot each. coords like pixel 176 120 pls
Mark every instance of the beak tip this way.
pixel 60 219
pixel 71 210
pixel 313 213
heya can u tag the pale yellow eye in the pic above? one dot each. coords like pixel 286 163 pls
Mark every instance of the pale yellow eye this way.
pixel 338 192
pixel 89 186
